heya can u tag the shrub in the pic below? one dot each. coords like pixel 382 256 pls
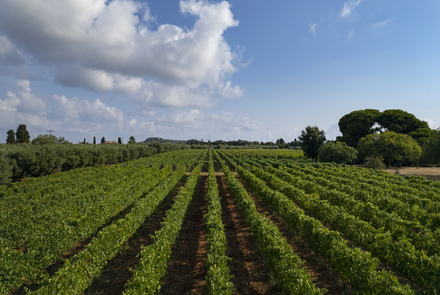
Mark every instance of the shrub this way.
pixel 374 163
pixel 338 152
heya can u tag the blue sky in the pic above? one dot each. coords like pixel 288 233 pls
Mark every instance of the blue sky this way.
pixel 253 70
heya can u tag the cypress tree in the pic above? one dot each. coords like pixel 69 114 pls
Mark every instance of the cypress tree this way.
pixel 11 137
pixel 94 139
pixel 22 134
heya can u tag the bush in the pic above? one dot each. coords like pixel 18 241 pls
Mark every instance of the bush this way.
pixel 374 163
pixel 5 170
pixel 338 152
pixel 391 146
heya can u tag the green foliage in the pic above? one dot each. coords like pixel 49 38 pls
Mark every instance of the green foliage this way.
pixel 218 278
pixel 11 137
pixel 22 135
pixel 5 169
pixel 391 146
pixel 103 139
pixel 284 264
pixel 148 274
pixel 41 214
pixel 356 125
pixel 352 264
pixel 43 159
pixel 310 140
pixel 45 139
pixel 431 149
pixel 119 140
pixel 338 152
pixel 374 162
pixel 132 140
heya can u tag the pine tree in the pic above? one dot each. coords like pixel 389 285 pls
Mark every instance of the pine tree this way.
pixel 22 134
pixel 103 139
pixel 11 137
pixel 94 139
pixel 119 140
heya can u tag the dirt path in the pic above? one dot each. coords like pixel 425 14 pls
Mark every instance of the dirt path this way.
pixel 246 264
pixel 186 270
pixel 431 173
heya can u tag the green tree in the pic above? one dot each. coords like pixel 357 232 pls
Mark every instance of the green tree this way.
pixel 337 152
pixel 132 140
pixel 103 139
pixel 391 146
pixel 403 122
pixel 22 134
pixel 45 139
pixel 62 140
pixel 11 137
pixel 94 139
pixel 356 125
pixel 310 140
pixel 119 140
pixel 431 149
pixel 281 143
pixel 5 169
pixel 48 139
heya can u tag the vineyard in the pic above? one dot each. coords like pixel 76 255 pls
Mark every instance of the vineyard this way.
pixel 220 222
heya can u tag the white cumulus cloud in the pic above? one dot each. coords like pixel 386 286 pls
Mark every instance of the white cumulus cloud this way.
pixel 83 110
pixel 105 45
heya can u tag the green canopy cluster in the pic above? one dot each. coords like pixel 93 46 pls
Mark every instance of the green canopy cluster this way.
pixel 361 123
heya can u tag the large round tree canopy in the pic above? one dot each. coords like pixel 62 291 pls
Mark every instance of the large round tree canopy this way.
pixel 358 124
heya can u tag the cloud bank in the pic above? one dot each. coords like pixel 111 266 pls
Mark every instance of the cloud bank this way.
pixel 104 45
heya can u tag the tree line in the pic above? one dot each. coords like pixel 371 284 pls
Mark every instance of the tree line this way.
pixel 22 160
pixel 392 137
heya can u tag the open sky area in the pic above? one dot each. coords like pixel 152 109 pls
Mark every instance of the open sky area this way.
pixel 250 70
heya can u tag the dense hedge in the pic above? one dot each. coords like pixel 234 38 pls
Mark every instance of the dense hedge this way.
pixel 18 161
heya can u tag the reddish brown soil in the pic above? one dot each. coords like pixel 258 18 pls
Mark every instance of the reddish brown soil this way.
pixel 186 269
pixel 246 264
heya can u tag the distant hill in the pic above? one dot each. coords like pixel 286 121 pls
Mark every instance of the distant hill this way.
pixel 161 140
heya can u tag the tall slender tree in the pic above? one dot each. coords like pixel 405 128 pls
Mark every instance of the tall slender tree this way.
pixel 11 137
pixel 22 134
pixel 94 139
pixel 310 140
pixel 103 139
pixel 119 140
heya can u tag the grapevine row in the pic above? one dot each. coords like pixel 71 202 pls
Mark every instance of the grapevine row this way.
pixel 354 265
pixel 218 277
pixel 149 272
pixel 77 274
pixel 284 264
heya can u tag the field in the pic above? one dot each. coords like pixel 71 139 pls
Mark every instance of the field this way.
pixel 221 222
